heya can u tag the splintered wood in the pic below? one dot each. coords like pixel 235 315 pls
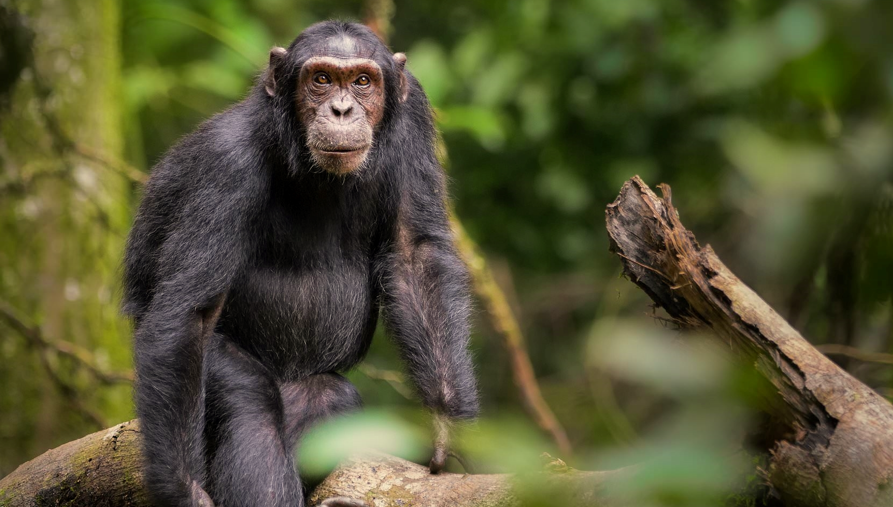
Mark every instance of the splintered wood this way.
pixel 832 440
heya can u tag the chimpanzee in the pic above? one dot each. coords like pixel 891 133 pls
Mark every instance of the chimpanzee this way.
pixel 264 247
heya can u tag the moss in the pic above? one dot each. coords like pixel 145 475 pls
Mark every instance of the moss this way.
pixel 752 490
pixel 66 493
pixel 396 495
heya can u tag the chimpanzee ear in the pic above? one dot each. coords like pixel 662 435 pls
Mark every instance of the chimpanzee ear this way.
pixel 400 58
pixel 277 57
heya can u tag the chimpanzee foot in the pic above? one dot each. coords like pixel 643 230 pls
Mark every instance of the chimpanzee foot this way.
pixel 342 501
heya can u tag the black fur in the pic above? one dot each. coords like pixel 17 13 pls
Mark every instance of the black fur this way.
pixel 236 222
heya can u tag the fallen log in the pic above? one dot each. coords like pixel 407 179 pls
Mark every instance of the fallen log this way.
pixel 103 470
pixel 832 436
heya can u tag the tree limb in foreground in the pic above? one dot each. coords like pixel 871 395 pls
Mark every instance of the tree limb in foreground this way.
pixel 103 470
pixel 832 440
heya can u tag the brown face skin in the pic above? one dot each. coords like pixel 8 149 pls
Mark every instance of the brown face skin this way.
pixel 340 101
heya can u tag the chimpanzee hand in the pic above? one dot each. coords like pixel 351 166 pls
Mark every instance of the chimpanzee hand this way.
pixel 342 501
pixel 200 498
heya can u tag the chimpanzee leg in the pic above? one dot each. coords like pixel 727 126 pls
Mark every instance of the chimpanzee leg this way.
pixel 310 401
pixel 250 463
pixel 314 399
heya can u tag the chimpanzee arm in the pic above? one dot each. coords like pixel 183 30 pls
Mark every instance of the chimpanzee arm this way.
pixel 206 247
pixel 426 299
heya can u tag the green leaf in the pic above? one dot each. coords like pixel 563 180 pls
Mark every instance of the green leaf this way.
pixel 428 63
pixel 483 123
pixel 330 443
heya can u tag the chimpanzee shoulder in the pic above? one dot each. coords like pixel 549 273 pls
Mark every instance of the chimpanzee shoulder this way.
pixel 219 169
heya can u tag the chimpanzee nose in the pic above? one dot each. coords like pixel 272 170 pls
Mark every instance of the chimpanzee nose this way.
pixel 341 108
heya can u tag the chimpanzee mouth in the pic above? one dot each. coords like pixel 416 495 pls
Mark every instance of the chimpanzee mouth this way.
pixel 342 151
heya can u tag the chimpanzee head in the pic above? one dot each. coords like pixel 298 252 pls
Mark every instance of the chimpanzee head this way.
pixel 336 84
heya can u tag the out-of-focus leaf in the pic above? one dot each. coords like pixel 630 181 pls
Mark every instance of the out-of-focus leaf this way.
pixel 471 53
pixel 582 95
pixel 144 83
pixel 495 84
pixel 222 80
pixel 613 63
pixel 210 27
pixel 428 63
pixel 648 354
pixel 483 123
pixel 249 30
pixel 689 456
pixel 742 60
pixel 752 54
pixel 564 188
pixel 822 74
pixel 505 444
pixel 774 166
pixel 330 443
pixel 678 472
pixel 617 14
pixel 870 147
pixel 535 101
pixel 534 15
pixel 799 28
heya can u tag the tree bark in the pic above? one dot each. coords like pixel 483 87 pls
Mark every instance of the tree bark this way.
pixel 103 470
pixel 831 437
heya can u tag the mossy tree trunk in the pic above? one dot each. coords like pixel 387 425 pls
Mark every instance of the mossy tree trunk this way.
pixel 63 217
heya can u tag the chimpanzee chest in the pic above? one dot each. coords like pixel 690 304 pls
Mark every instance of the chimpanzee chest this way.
pixel 305 320
pixel 306 304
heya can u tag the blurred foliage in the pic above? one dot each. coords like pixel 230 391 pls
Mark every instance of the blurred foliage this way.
pixel 771 120
pixel 327 445
pixel 63 219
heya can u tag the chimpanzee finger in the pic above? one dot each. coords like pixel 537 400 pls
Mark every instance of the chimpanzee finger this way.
pixel 466 464
pixel 342 501
pixel 439 459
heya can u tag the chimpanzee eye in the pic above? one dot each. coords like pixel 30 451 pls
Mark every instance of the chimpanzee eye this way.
pixel 322 78
pixel 363 80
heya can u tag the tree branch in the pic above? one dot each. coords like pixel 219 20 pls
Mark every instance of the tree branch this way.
pixel 833 436
pixel 81 356
pixel 854 353
pixel 104 469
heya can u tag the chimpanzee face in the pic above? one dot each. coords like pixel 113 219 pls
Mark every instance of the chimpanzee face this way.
pixel 339 103
pixel 339 95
